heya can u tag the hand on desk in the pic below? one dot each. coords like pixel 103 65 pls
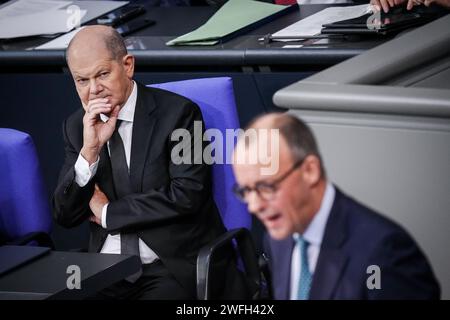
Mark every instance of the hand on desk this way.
pixel 412 3
pixel 96 204
pixel 386 4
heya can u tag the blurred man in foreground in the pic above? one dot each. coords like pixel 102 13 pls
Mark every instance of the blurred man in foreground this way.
pixel 323 244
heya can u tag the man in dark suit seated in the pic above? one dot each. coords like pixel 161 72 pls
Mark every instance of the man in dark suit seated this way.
pixel 323 244
pixel 119 174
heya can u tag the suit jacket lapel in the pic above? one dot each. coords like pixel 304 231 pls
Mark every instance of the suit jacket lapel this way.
pixel 143 125
pixel 281 255
pixel 332 261
pixel 285 263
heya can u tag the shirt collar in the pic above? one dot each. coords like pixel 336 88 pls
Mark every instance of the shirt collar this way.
pixel 126 113
pixel 314 232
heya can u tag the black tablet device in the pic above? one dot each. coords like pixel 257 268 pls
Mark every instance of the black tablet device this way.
pixel 132 26
pixel 377 23
pixel 121 15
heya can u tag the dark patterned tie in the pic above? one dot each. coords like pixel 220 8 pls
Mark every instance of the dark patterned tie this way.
pixel 129 242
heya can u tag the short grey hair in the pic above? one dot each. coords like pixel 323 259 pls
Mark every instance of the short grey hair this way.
pixel 297 135
pixel 114 43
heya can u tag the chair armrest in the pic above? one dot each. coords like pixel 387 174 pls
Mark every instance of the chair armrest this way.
pixel 42 239
pixel 246 251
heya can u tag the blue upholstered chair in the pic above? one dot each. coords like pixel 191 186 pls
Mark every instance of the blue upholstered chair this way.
pixel 25 216
pixel 215 97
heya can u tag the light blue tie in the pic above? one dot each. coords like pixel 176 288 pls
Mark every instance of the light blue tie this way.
pixel 305 276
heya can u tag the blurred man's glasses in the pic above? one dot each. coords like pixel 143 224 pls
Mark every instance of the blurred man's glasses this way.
pixel 263 189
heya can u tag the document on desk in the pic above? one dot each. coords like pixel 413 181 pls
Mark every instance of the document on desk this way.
pixel 59 43
pixel 233 16
pixel 312 25
pixel 50 22
pixel 24 18
pixel 23 7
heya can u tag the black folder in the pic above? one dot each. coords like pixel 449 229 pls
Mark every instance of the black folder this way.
pixel 383 23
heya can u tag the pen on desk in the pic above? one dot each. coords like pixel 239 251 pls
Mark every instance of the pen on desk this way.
pixel 268 38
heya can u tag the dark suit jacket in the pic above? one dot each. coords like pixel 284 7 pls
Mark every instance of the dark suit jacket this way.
pixel 355 237
pixel 171 209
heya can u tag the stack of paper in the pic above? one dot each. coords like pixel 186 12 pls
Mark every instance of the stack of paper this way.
pixel 18 8
pixel 61 42
pixel 312 25
pixel 24 18
pixel 231 17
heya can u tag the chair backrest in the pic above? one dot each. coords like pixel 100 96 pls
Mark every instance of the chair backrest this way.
pixel 24 206
pixel 215 97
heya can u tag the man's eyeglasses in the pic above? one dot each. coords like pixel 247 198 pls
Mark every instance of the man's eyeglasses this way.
pixel 264 190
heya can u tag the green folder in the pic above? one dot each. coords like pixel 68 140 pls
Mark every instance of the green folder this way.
pixel 232 17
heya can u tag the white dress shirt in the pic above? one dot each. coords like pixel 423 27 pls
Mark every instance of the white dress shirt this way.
pixel 313 235
pixel 84 173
